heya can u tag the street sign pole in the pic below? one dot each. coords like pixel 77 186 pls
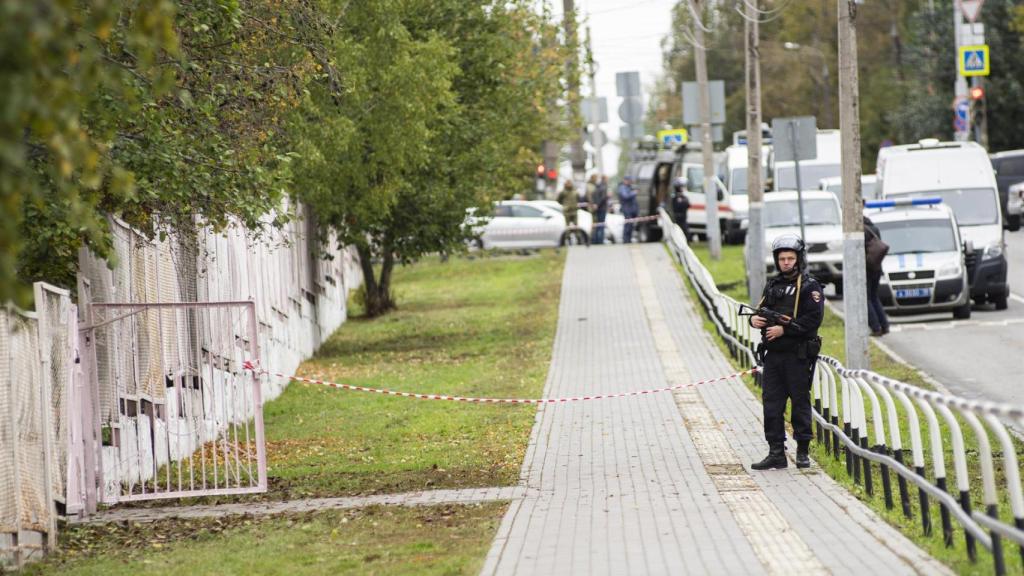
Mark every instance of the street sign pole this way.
pixel 794 140
pixel 710 189
pixel 960 84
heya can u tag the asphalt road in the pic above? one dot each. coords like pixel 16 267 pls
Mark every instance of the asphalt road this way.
pixel 980 358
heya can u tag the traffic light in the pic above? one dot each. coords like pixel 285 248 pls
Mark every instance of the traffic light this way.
pixel 978 114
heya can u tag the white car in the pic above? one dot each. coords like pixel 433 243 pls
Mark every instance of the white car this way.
pixel 613 225
pixel 521 224
pixel 823 226
pixel 925 269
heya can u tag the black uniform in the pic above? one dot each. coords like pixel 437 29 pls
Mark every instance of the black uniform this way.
pixel 680 208
pixel 789 359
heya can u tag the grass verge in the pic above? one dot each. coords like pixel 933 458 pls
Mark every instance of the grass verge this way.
pixel 470 327
pixel 729 276
pixel 374 540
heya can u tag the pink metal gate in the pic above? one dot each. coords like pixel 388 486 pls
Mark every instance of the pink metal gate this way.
pixel 173 410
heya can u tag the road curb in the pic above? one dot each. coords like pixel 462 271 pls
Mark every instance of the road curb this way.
pixel 938 386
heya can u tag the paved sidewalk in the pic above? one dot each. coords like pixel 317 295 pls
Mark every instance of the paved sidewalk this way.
pixel 661 484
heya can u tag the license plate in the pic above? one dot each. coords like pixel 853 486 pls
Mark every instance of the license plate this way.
pixel 914 293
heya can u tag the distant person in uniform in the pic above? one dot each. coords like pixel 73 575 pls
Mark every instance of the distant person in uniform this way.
pixel 788 351
pixel 681 205
pixel 591 192
pixel 630 207
pixel 569 201
pixel 600 200
pixel 874 253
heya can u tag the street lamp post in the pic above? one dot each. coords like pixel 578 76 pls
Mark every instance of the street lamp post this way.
pixel 827 120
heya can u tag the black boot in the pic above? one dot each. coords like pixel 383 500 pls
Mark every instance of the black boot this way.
pixel 776 459
pixel 802 460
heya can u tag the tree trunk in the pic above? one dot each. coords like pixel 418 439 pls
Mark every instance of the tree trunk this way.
pixel 378 292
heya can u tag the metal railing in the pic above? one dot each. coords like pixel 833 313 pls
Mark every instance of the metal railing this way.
pixel 864 418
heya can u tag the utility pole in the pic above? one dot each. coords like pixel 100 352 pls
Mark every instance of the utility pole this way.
pixel 960 84
pixel 710 190
pixel 854 274
pixel 572 70
pixel 598 140
pixel 755 188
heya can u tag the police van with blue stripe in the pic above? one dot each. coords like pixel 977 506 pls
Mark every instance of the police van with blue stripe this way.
pixel 926 269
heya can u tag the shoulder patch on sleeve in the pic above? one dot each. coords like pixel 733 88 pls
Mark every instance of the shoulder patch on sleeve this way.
pixel 816 296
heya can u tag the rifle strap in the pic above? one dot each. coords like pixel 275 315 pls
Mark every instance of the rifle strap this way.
pixel 796 303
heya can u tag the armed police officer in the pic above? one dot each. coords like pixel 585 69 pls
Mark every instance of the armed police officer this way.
pixel 789 314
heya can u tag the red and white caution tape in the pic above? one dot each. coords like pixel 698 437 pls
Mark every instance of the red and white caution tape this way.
pixel 250 366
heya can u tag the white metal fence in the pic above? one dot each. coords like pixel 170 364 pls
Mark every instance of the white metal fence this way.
pixel 864 418
pixel 36 363
pixel 81 426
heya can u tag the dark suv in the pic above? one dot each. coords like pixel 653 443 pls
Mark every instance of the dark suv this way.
pixel 1009 167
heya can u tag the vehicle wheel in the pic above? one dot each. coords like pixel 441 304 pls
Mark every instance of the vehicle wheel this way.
pixel 653 234
pixel 1013 223
pixel 839 288
pixel 999 301
pixel 962 312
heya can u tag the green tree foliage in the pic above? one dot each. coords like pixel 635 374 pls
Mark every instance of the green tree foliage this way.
pixel 142 111
pixel 52 166
pixel 426 108
pixel 389 118
pixel 906 65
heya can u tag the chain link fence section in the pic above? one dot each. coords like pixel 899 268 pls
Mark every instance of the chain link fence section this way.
pixel 27 512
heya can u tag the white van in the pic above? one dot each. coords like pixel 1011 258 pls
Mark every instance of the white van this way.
pixel 827 164
pixel 732 171
pixel 961 174
pixel 925 269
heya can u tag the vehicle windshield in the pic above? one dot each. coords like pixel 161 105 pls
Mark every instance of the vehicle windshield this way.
pixel 972 206
pixel 786 213
pixel 913 236
pixel 738 179
pixel 810 174
pixel 695 180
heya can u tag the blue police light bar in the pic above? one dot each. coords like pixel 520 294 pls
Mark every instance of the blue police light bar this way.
pixel 903 202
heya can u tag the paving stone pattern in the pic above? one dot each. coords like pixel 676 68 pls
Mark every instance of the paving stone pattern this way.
pixel 661 484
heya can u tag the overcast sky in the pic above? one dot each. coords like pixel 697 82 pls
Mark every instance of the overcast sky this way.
pixel 626 36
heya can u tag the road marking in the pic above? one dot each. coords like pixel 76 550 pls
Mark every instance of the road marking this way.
pixel 1017 297
pixel 781 550
pixel 950 324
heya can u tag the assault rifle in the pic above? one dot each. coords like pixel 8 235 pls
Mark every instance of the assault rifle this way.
pixel 774 318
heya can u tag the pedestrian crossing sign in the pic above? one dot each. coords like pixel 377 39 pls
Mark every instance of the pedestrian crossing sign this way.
pixel 974 60
pixel 672 138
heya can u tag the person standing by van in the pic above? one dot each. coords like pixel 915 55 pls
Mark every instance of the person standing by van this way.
pixel 874 253
pixel 680 205
pixel 630 207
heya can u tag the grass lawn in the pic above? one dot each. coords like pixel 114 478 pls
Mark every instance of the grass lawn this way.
pixel 470 327
pixel 480 326
pixel 375 540
pixel 729 276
